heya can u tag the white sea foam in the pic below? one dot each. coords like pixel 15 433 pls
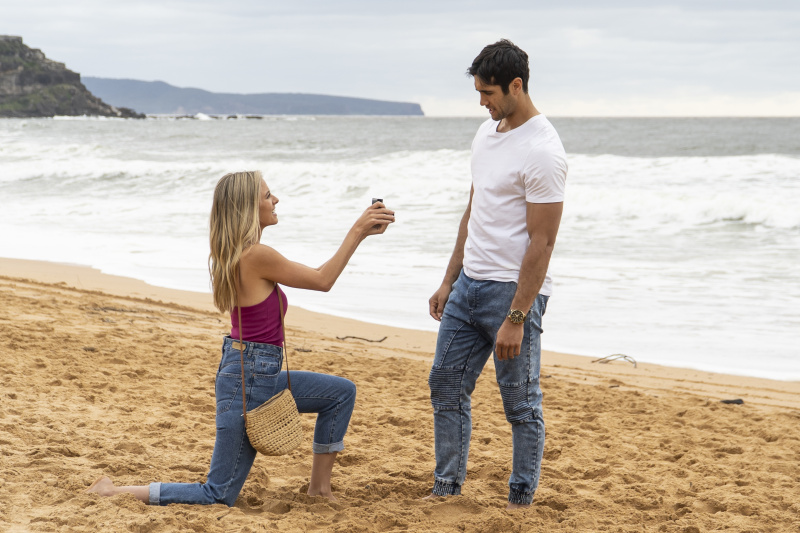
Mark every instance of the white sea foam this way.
pixel 671 194
pixel 72 118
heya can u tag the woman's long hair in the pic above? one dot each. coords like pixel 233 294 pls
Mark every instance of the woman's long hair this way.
pixel 234 226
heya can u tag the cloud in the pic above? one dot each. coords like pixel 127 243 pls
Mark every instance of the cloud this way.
pixel 582 54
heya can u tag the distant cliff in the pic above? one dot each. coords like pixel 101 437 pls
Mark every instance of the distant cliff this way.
pixel 33 86
pixel 157 97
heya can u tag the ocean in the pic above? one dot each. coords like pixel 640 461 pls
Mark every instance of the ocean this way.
pixel 679 244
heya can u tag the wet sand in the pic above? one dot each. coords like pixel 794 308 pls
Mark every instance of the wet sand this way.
pixel 104 375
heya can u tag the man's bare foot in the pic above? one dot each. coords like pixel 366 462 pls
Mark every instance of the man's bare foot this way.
pixel 102 486
pixel 433 497
pixel 512 506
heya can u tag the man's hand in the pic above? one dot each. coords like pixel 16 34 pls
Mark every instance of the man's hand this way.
pixel 509 340
pixel 438 300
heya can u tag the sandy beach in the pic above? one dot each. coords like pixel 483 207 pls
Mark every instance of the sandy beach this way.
pixel 104 375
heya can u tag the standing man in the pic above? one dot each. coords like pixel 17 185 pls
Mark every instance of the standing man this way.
pixel 497 284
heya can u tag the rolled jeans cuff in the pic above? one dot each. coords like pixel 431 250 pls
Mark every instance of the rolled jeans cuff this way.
pixel 519 497
pixel 444 488
pixel 155 494
pixel 328 448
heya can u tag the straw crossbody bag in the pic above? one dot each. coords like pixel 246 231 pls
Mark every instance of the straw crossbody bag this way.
pixel 273 427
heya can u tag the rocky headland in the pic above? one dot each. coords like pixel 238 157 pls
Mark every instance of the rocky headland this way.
pixel 33 86
pixel 158 97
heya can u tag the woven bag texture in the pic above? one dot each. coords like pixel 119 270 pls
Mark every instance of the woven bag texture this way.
pixel 274 427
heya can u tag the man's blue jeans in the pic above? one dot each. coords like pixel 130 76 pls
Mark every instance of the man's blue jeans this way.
pixel 472 317
pixel 330 396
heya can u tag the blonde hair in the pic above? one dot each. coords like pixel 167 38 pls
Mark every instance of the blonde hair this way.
pixel 234 225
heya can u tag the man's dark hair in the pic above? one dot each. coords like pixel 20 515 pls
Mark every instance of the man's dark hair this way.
pixel 500 63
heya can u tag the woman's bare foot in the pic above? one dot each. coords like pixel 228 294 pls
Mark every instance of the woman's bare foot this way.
pixel 320 482
pixel 433 497
pixel 102 486
pixel 324 494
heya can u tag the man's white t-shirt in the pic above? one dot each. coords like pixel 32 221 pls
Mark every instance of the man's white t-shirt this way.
pixel 526 164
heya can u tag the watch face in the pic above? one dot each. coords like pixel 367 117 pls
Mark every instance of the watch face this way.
pixel 516 316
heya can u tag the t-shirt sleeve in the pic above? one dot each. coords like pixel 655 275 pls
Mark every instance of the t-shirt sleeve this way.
pixel 545 176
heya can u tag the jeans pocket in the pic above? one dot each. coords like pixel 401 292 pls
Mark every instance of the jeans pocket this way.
pixel 225 389
pixel 267 366
pixel 544 298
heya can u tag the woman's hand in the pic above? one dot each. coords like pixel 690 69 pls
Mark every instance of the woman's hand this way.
pixel 374 220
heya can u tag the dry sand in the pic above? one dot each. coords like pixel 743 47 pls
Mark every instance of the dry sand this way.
pixel 106 375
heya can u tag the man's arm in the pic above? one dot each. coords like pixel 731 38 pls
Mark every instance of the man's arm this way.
pixel 542 221
pixel 440 297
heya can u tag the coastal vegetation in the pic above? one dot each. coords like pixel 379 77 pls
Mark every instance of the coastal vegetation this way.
pixel 31 85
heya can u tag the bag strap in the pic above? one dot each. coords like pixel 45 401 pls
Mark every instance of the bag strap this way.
pixel 241 345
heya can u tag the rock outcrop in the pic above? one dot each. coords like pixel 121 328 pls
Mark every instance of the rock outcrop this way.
pixel 33 86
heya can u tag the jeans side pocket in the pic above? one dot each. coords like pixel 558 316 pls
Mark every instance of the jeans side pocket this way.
pixel 225 389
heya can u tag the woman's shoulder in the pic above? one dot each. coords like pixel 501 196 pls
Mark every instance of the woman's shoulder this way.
pixel 259 251
pixel 255 276
pixel 261 259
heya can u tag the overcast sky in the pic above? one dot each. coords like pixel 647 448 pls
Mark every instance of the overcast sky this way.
pixel 588 58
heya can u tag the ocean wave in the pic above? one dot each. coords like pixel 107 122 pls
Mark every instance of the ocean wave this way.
pixel 675 193
pixel 642 194
pixel 84 118
pixel 673 250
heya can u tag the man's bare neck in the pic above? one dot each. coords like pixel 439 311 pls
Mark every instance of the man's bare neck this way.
pixel 524 112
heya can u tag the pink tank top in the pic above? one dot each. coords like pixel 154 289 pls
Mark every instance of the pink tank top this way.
pixel 262 322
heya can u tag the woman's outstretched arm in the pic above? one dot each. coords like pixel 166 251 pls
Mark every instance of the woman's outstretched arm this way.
pixel 269 264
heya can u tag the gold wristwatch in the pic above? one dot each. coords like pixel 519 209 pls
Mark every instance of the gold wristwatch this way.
pixel 516 316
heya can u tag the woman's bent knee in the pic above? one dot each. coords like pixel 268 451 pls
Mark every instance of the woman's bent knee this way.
pixel 347 393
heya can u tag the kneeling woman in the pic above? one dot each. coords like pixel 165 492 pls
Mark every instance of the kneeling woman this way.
pixel 244 273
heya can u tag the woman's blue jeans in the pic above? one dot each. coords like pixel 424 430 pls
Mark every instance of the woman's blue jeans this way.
pixel 331 397
pixel 472 317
